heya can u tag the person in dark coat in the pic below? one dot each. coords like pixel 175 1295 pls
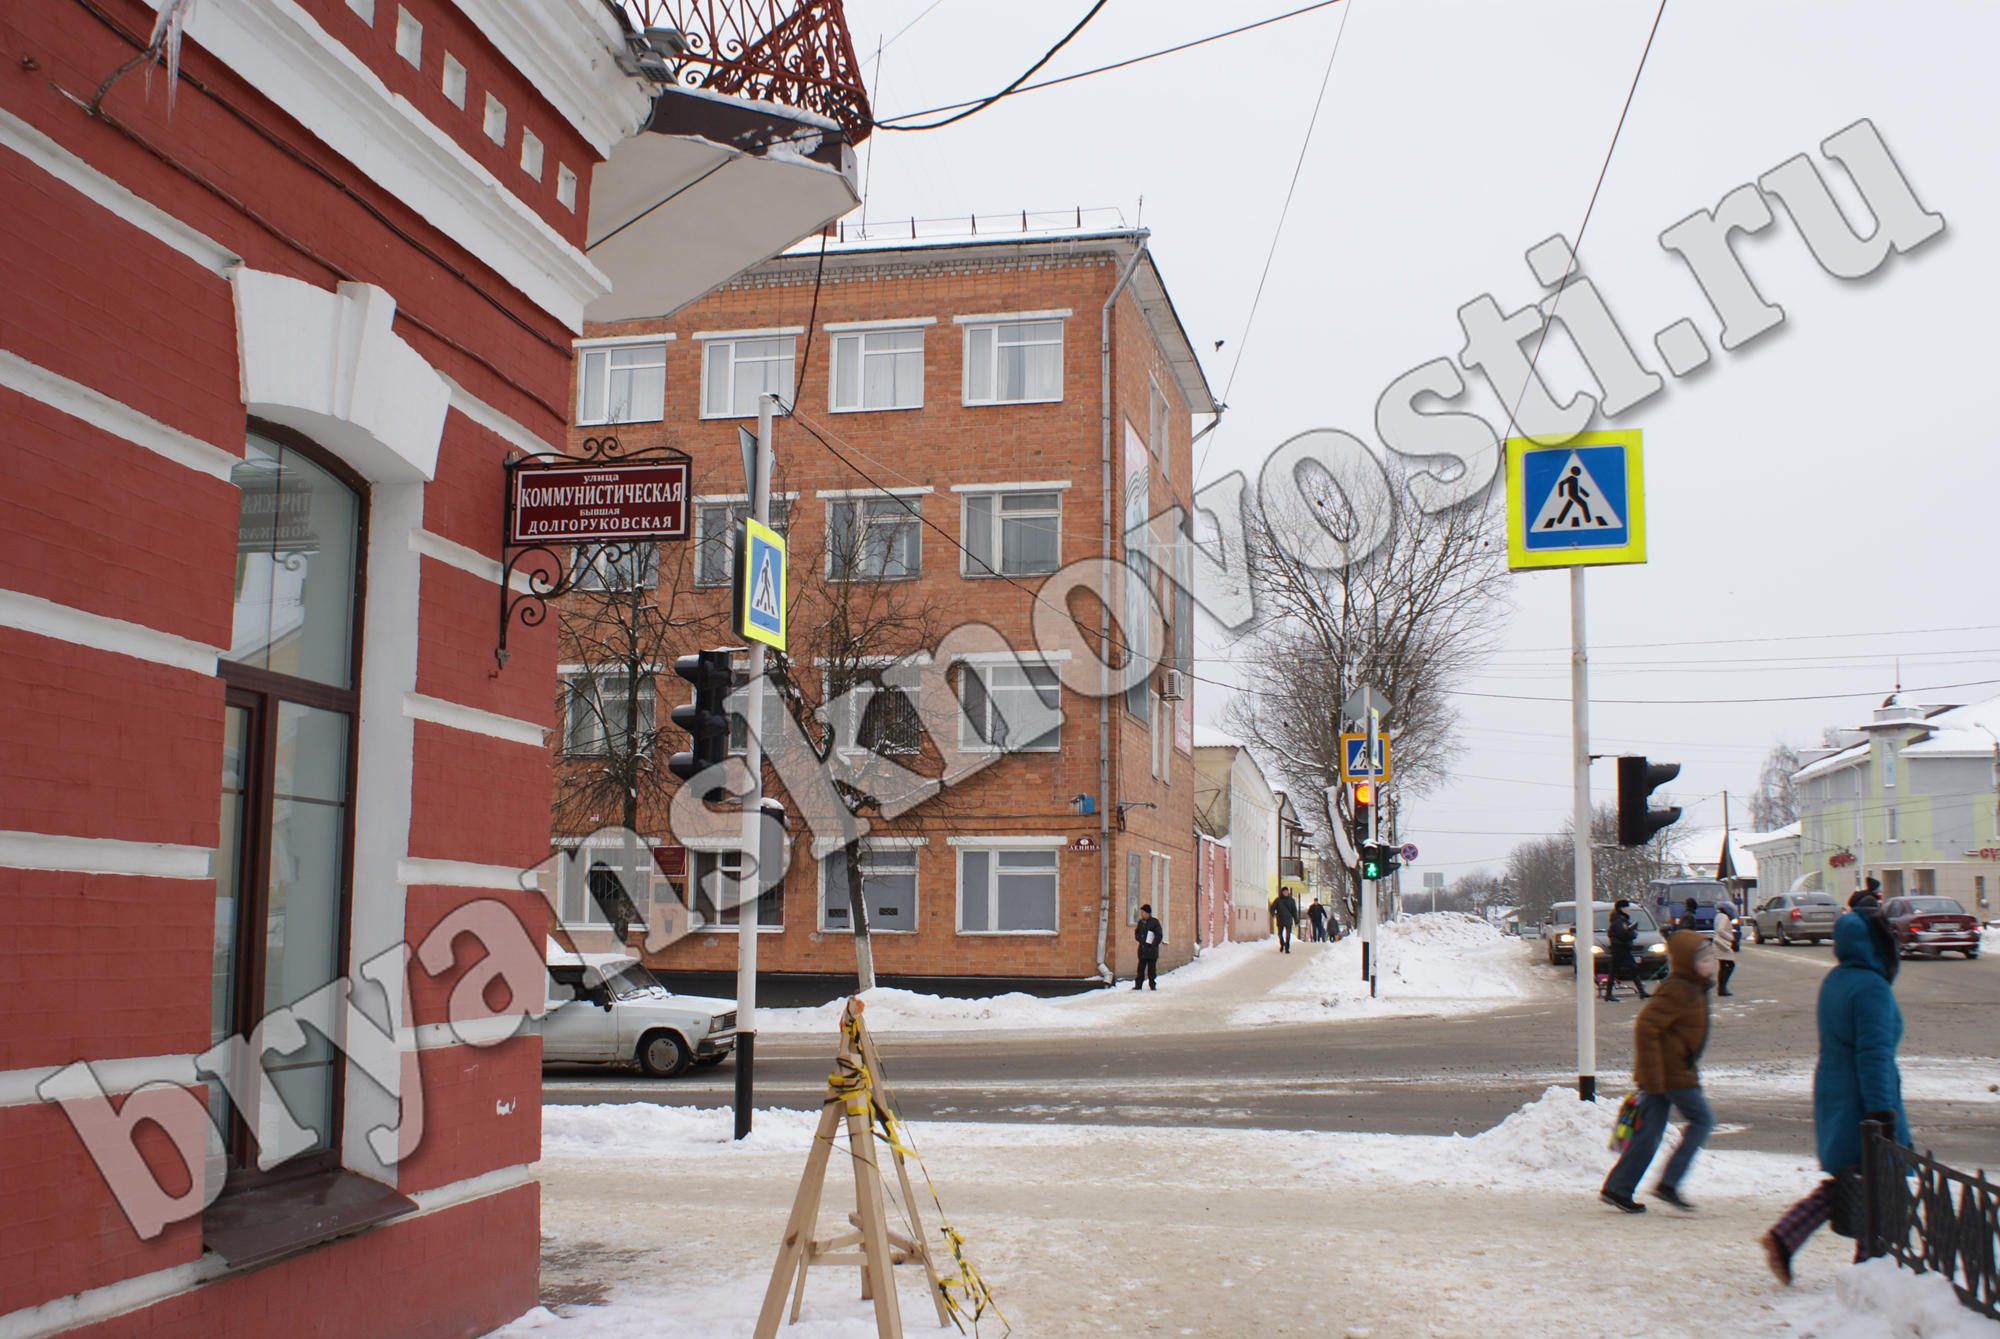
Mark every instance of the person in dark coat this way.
pixel 1623 934
pixel 1667 1040
pixel 1317 915
pixel 1149 932
pixel 1686 921
pixel 1856 1079
pixel 1869 896
pixel 1285 913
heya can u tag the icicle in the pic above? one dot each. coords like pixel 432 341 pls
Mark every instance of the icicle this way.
pixel 166 41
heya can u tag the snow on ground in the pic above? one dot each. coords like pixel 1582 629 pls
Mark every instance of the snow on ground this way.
pixel 1925 1079
pixel 1435 963
pixel 1198 1230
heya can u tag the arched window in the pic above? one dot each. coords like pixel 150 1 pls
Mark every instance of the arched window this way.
pixel 283 865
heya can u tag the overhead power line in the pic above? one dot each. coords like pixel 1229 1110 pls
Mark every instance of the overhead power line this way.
pixel 984 103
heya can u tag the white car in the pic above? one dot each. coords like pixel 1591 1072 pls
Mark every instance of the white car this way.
pixel 605 1008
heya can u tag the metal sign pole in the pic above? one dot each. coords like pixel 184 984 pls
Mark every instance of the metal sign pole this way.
pixel 1586 915
pixel 1374 886
pixel 753 814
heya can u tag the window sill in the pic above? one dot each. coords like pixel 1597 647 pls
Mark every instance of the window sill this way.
pixel 260 1223
pixel 873 930
pixel 872 408
pixel 1008 934
pixel 1002 576
pixel 1001 404
pixel 732 929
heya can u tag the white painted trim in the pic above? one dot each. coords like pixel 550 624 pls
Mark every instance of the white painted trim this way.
pixel 415 870
pixel 473 1032
pixel 1034 486
pixel 113 1299
pixel 20 1087
pixel 898 843
pixel 46 618
pixel 486 416
pixel 473 1187
pixel 907 323
pixel 454 554
pixel 1010 657
pixel 769 332
pixel 102 855
pixel 873 492
pixel 565 48
pixel 115 417
pixel 602 341
pixel 991 318
pixel 1036 841
pixel 719 498
pixel 284 53
pixel 473 720
pixel 107 193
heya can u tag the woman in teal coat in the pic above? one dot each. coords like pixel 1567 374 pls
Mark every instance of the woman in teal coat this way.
pixel 1860 1027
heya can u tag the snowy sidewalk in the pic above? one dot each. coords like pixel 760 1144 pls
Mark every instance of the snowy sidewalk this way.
pixel 651 1214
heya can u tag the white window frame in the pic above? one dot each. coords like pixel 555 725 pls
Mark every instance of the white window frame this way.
pixel 969 740
pixel 992 847
pixel 849 339
pixel 566 190
pixel 712 340
pixel 531 154
pixel 568 864
pixel 451 80
pixel 995 519
pixel 911 514
pixel 994 324
pixel 870 845
pixel 494 122
pixel 735 502
pixel 588 350
pixel 573 677
pixel 1162 884
pixel 1159 434
pixel 718 926
pixel 409 37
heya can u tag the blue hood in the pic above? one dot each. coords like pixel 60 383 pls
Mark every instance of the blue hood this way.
pixel 1856 943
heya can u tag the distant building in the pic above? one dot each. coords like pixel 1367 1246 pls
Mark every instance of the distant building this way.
pixel 1911 802
pixel 1233 802
pixel 1777 857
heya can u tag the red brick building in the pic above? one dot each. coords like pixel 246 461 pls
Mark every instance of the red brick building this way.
pixel 272 325
pixel 953 449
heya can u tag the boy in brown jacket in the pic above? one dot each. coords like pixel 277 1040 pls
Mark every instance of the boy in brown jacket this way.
pixel 1667 1040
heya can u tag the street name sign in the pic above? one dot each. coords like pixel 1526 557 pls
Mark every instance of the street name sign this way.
pixel 760 585
pixel 1581 503
pixel 574 503
pixel 1353 755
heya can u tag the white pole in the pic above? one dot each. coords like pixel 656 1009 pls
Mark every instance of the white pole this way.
pixel 753 813
pixel 1586 916
pixel 1373 886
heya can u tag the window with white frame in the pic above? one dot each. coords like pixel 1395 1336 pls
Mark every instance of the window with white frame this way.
pixel 1156 434
pixel 1010 706
pixel 874 538
pixel 598 713
pixel 531 154
pixel 1007 890
pixel 738 707
pixel 718 900
pixel 495 121
pixel 735 372
pixel 715 527
pixel 888 887
pixel 565 187
pixel 623 383
pixel 615 567
pixel 409 37
pixel 589 889
pixel 1134 888
pixel 452 81
pixel 1013 362
pixel 1161 884
pixel 880 719
pixel 878 369
pixel 1012 533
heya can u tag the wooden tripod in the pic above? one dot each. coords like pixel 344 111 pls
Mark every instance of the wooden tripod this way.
pixel 850 1094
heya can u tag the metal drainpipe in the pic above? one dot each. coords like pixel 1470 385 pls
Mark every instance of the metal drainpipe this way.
pixel 1104 801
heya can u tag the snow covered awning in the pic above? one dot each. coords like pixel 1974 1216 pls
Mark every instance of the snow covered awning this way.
pixel 711 186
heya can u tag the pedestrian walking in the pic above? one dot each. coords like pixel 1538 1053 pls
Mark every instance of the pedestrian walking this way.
pixel 1870 896
pixel 1623 934
pixel 1667 1041
pixel 1149 932
pixel 1686 920
pixel 1728 938
pixel 1317 915
pixel 1856 1079
pixel 1285 912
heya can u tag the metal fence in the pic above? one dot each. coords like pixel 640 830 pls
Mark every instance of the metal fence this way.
pixel 1933 1218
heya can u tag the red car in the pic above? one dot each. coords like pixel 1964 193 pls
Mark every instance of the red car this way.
pixel 1932 925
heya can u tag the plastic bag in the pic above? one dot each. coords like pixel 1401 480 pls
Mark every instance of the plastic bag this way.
pixel 1627 1123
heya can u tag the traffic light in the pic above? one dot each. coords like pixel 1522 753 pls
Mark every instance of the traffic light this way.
pixel 1378 860
pixel 706 719
pixel 1637 780
pixel 1364 797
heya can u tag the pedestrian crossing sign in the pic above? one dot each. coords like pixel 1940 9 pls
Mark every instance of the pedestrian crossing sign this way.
pixel 760 585
pixel 1579 503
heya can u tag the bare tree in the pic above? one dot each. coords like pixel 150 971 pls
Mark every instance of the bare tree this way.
pixel 1542 870
pixel 621 627
pixel 1409 619
pixel 1776 800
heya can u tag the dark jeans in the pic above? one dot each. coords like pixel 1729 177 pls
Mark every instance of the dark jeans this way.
pixel 1638 1154
pixel 1284 936
pixel 1623 967
pixel 1723 967
pixel 1149 970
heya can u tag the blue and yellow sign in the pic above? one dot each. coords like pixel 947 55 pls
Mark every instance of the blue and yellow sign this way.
pixel 1579 504
pixel 760 585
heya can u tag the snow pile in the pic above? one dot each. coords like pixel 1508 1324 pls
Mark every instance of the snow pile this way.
pixel 642 1130
pixel 725 1310
pixel 1880 1299
pixel 1558 1132
pixel 1441 962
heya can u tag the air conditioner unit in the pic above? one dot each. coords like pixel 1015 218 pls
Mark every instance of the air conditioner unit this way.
pixel 1173 685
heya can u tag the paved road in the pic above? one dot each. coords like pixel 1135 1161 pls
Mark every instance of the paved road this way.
pixel 1421 1075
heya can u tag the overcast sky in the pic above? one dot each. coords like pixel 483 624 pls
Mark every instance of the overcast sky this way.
pixel 1820 501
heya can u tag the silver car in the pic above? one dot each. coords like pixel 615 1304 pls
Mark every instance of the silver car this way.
pixel 1789 918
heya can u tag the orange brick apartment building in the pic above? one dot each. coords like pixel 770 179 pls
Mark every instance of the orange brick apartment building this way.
pixel 951 413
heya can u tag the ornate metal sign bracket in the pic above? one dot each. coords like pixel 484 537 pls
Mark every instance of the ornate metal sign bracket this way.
pixel 545 569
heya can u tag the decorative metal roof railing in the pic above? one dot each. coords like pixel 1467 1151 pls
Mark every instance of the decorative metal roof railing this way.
pixel 796 53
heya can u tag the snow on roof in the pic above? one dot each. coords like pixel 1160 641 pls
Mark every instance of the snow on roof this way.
pixel 1755 841
pixel 1837 761
pixel 1948 732
pixel 1208 737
